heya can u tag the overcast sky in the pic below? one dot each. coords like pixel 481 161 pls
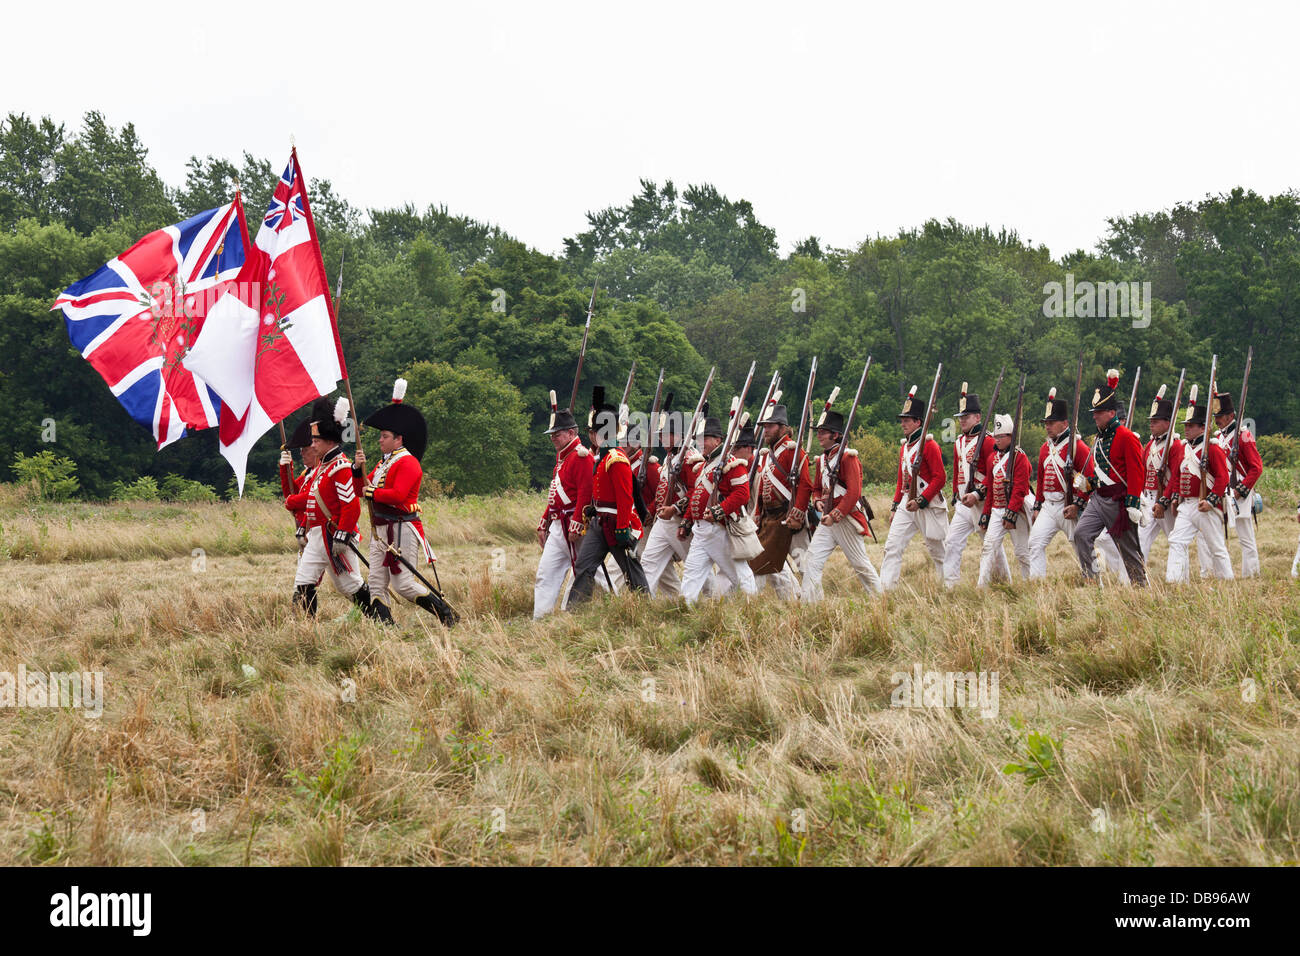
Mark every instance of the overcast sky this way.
pixel 837 120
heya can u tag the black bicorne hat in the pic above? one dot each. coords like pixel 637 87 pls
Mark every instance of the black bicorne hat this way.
pixel 712 428
pixel 746 438
pixel 775 415
pixel 301 436
pixel 1223 404
pixel 327 418
pixel 401 419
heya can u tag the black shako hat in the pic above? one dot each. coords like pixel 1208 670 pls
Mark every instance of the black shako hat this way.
pixel 1055 410
pixel 1103 397
pixel 968 403
pixel 401 419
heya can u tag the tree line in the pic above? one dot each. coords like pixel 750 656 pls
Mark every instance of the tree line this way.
pixel 483 325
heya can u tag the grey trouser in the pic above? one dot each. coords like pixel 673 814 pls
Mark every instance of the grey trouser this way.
pixel 1100 514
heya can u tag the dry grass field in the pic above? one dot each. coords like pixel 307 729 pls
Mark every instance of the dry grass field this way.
pixel 635 732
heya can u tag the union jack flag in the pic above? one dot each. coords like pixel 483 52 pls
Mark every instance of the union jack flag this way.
pixel 286 204
pixel 135 318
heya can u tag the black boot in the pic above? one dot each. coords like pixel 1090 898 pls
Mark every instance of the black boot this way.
pixel 361 598
pixel 304 596
pixel 443 611
pixel 381 612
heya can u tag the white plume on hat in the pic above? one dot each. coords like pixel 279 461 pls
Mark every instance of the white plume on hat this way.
pixel 341 410
pixel 399 389
pixel 1003 425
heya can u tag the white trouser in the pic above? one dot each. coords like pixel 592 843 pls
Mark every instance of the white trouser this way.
pixel 1242 524
pixel 990 567
pixel 662 548
pixel 555 564
pixel 783 582
pixel 1295 563
pixel 314 562
pixel 932 522
pixel 1155 526
pixel 799 548
pixel 844 535
pixel 965 520
pixel 404 583
pixel 710 544
pixel 1206 529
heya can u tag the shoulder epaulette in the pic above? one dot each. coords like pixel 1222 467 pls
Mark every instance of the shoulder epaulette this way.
pixel 694 456
pixel 851 452
pixel 614 456
pixel 582 451
pixel 654 459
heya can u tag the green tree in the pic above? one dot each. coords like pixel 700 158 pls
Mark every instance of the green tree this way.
pixel 477 427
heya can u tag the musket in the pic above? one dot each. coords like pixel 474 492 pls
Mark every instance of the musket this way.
pixel 1132 398
pixel 771 398
pixel 1169 436
pixel 733 431
pixel 674 471
pixel 1204 459
pixel 803 414
pixel 993 405
pixel 651 431
pixel 915 466
pixel 1010 470
pixel 1236 436
pixel 582 352
pixel 1073 435
pixel 622 406
pixel 833 471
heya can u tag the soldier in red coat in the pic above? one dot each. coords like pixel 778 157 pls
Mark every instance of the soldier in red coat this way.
pixel 1200 509
pixel 611 525
pixel 926 511
pixel 291 484
pixel 570 484
pixel 331 510
pixel 392 492
pixel 1007 506
pixel 971 455
pixel 782 488
pixel 1115 488
pixel 1247 471
pixel 838 497
pixel 706 523
pixel 1056 505
pixel 1157 454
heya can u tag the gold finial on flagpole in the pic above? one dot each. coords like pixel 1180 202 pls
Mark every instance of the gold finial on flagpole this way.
pixel 234 181
pixel 293 145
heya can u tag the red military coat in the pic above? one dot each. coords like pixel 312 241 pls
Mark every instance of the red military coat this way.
pixel 733 490
pixel 1052 461
pixel 1249 464
pixel 570 487
pixel 1154 457
pixel 1185 473
pixel 611 493
pixel 846 496
pixel 291 486
pixel 971 453
pixel 332 478
pixel 1007 492
pixel 780 482
pixel 932 476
